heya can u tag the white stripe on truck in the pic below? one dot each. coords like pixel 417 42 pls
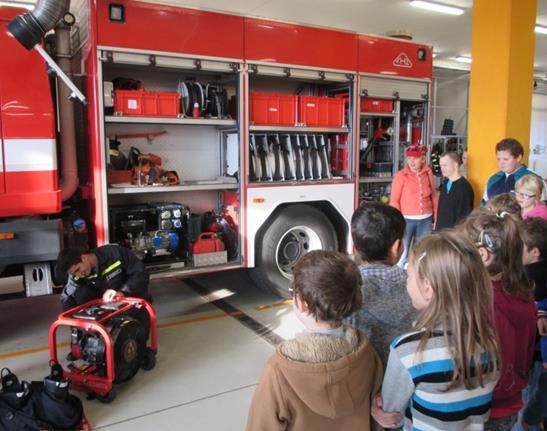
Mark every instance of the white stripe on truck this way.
pixel 30 155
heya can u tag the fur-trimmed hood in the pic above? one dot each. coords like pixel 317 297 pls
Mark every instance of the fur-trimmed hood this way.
pixel 333 376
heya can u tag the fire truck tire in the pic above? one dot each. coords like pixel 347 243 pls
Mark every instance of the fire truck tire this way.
pixel 296 231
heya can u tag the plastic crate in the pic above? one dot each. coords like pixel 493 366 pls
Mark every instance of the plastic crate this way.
pixel 321 111
pixel 369 104
pixel 146 103
pixel 273 109
pixel 308 110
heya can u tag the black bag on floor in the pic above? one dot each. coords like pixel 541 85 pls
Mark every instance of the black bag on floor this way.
pixel 38 406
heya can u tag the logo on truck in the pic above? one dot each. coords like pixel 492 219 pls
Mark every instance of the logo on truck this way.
pixel 402 60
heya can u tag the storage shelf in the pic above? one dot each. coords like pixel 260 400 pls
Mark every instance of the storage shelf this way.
pixel 167 120
pixel 300 129
pixel 377 114
pixel 375 179
pixel 185 187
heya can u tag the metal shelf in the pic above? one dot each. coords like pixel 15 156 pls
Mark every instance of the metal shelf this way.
pixel 378 114
pixel 185 187
pixel 167 120
pixel 375 179
pixel 300 129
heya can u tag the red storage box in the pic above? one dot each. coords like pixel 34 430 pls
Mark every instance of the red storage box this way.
pixel 308 110
pixel 273 109
pixel 369 104
pixel 207 242
pixel 146 103
pixel 321 111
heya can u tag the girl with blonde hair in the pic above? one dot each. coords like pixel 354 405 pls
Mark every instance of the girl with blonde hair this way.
pixel 442 375
pixel 528 191
pixel 498 240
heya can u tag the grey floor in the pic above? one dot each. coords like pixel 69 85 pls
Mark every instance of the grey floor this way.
pixel 208 362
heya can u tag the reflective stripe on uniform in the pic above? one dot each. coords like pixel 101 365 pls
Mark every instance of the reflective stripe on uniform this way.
pixel 112 267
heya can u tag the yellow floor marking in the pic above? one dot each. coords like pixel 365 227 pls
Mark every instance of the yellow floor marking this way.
pixel 277 304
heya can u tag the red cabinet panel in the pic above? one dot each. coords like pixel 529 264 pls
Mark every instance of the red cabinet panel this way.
pixel 157 27
pixel 394 58
pixel 300 45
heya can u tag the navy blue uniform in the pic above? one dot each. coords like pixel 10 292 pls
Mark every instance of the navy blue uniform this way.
pixel 118 269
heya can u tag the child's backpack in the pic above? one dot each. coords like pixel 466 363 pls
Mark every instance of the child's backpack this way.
pixel 40 406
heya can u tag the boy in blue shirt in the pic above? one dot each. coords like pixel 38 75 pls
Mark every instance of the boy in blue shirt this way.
pixel 509 153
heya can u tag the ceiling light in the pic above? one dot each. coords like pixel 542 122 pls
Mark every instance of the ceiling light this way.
pixel 541 29
pixel 463 59
pixel 434 55
pixel 437 7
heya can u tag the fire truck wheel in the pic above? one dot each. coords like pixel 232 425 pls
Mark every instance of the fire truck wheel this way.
pixel 296 231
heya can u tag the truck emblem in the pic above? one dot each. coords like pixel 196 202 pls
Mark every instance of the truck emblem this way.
pixel 402 60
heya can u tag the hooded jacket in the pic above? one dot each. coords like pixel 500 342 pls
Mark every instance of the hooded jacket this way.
pixel 318 382
pixel 516 328
pixel 414 194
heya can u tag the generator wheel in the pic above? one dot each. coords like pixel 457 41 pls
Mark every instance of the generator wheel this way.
pixel 108 398
pixel 149 360
pixel 296 230
pixel 129 349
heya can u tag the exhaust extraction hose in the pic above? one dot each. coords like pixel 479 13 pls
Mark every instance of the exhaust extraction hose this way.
pixel 30 27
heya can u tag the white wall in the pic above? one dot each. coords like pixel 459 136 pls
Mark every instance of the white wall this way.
pixel 538 135
pixel 450 96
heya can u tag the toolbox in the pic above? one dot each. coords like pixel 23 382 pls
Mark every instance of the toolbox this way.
pixel 273 109
pixel 369 104
pixel 146 103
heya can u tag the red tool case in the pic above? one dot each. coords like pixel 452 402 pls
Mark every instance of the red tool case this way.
pixel 208 242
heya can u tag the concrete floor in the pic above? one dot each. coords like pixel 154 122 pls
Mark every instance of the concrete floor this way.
pixel 208 362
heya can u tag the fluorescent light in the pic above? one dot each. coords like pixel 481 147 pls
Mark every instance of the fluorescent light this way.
pixel 27 5
pixel 434 55
pixel 437 7
pixel 541 29
pixel 463 59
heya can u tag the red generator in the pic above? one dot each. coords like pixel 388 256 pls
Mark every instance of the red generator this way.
pixel 109 343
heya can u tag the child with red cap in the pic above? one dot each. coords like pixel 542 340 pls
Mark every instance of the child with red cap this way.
pixel 413 193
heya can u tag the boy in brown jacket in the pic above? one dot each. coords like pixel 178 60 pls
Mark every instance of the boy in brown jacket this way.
pixel 325 378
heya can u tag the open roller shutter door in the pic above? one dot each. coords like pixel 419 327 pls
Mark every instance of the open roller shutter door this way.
pixel 389 88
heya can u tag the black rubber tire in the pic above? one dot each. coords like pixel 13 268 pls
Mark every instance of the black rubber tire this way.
pixel 267 274
pixel 149 360
pixel 108 398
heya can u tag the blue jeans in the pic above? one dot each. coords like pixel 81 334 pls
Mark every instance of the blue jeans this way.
pixel 414 230
pixel 528 393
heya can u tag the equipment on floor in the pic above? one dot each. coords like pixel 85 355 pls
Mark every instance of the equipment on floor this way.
pixel 108 344
pixel 45 405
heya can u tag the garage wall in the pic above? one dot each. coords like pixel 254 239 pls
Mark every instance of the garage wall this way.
pixel 538 135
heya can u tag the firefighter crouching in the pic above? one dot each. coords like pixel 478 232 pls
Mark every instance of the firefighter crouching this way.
pixel 109 272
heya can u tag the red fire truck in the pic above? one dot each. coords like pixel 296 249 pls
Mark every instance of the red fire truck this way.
pixel 202 141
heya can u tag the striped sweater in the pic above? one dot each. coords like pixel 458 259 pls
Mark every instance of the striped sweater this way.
pixel 417 386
